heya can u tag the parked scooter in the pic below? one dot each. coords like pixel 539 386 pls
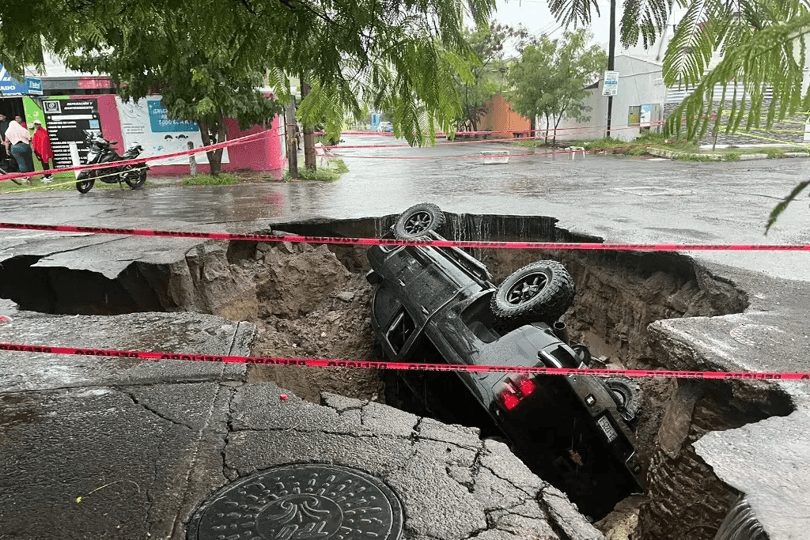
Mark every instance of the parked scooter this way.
pixel 100 151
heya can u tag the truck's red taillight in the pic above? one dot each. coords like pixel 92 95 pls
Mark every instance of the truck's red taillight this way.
pixel 508 398
pixel 514 391
pixel 527 386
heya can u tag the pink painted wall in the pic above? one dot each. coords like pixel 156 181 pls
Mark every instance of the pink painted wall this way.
pixel 262 154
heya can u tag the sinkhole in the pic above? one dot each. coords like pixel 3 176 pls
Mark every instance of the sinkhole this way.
pixel 314 301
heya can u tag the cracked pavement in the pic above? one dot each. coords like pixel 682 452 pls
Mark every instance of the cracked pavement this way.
pixel 121 448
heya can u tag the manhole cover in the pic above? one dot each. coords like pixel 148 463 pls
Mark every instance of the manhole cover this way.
pixel 296 502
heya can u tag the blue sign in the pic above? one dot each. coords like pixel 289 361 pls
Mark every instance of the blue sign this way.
pixel 161 123
pixel 34 86
pixel 10 86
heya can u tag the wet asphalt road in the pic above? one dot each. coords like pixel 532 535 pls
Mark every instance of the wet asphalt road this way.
pixel 621 199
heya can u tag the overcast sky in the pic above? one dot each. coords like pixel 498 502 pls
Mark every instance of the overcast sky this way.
pixel 535 16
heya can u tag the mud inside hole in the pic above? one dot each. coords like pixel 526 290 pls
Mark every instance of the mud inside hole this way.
pixel 309 301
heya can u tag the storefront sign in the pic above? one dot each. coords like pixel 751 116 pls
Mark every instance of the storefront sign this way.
pixel 34 86
pixel 146 123
pixel 67 120
pixel 9 86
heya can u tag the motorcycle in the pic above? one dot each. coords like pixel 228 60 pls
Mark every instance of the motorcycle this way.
pixel 101 151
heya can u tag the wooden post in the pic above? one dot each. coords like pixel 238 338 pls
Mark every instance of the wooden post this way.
pixel 192 161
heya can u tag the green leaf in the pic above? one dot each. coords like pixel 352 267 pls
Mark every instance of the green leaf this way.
pixel 779 208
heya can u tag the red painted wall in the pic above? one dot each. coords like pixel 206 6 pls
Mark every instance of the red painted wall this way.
pixel 263 154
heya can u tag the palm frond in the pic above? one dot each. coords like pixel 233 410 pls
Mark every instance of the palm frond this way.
pixel 779 208
pixel 573 12
pixel 645 18
pixel 692 45
pixel 770 57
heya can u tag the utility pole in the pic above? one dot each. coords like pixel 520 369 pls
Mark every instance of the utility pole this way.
pixel 292 139
pixel 611 57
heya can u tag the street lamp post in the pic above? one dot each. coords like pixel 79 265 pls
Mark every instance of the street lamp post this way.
pixel 611 58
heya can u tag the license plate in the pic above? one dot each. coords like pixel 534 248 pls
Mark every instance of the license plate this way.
pixel 607 428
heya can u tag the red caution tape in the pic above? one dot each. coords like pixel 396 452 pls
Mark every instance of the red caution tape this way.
pixel 480 156
pixel 141 160
pixel 592 246
pixel 374 364
pixel 594 129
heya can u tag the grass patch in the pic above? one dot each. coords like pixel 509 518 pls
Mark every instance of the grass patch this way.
pixel 223 179
pixel 61 182
pixel 340 166
pixel 322 174
pixel 530 143
pixel 695 157
pixel 732 156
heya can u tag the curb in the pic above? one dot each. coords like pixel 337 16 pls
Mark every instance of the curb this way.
pixel 675 154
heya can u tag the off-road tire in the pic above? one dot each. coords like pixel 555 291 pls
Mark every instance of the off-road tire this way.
pixel 417 221
pixel 539 292
pixel 135 178
pixel 85 185
pixel 626 392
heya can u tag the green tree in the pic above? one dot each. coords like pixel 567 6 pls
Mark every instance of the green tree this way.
pixel 156 53
pixel 208 56
pixel 550 77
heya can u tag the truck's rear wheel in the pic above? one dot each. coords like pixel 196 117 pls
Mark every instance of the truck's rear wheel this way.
pixel 539 292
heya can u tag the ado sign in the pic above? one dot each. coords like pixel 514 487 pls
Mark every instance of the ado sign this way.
pixel 611 86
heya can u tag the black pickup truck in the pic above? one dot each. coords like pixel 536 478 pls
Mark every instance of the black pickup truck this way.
pixel 577 432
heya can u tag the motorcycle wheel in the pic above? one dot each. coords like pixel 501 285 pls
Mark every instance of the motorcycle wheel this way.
pixel 85 185
pixel 135 178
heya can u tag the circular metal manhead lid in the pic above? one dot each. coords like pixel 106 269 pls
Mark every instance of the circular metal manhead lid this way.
pixel 297 502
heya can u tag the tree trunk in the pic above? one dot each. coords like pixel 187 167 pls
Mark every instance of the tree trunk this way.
pixel 214 156
pixel 292 140
pixel 556 125
pixel 309 137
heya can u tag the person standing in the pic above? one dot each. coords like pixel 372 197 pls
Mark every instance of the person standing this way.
pixel 41 145
pixel 20 142
pixel 3 143
pixel 20 120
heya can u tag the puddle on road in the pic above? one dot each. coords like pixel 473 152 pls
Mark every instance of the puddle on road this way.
pixel 312 301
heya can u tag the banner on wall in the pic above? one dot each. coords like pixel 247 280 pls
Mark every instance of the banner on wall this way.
pixel 66 121
pixel 145 122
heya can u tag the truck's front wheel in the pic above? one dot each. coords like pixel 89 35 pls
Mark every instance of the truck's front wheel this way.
pixel 417 221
